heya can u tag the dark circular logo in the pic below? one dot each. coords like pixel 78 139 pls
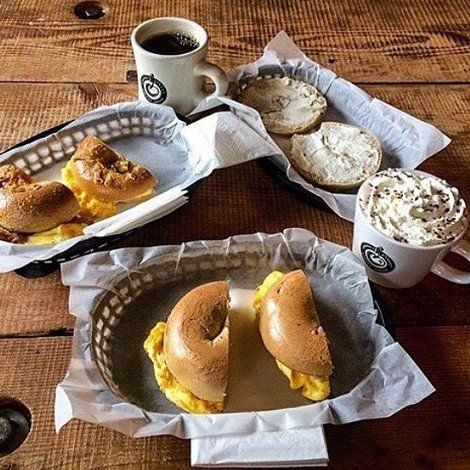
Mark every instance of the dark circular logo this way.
pixel 154 91
pixel 376 259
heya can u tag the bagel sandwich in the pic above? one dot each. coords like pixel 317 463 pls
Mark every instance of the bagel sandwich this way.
pixel 190 351
pixel 291 332
pixel 100 178
pixel 36 212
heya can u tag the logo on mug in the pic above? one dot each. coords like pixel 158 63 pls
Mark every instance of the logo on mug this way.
pixel 376 259
pixel 154 91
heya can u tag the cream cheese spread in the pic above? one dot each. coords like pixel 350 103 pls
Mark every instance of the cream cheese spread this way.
pixel 337 154
pixel 286 105
pixel 414 209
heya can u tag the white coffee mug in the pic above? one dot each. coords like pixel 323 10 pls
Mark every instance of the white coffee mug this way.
pixel 175 80
pixel 400 265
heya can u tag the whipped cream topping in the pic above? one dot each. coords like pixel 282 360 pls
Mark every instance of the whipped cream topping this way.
pixel 415 209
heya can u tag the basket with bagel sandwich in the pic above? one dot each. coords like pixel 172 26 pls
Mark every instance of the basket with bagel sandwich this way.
pixel 87 184
pixel 258 331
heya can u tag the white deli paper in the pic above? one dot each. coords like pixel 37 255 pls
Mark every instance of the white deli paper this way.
pixel 406 141
pixel 303 447
pixel 149 134
pixel 118 296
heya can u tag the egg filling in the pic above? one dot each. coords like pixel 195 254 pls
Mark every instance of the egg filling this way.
pixel 90 207
pixel 175 392
pixel 56 235
pixel 313 387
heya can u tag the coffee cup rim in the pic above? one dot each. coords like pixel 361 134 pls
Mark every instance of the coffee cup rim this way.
pixel 392 240
pixel 186 21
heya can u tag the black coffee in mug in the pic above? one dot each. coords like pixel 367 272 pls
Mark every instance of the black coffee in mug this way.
pixel 170 56
pixel 170 44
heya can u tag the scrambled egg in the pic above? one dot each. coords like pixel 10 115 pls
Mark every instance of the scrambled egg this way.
pixel 90 207
pixel 167 382
pixel 56 235
pixel 262 290
pixel 312 387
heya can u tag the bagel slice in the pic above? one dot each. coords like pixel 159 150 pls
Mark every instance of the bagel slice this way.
pixel 286 105
pixel 100 178
pixel 27 206
pixel 337 156
pixel 291 332
pixel 190 351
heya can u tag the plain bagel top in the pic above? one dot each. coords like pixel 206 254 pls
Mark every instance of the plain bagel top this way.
pixel 196 341
pixel 290 327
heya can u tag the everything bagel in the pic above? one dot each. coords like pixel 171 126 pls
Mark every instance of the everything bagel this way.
pixel 12 176
pixel 100 172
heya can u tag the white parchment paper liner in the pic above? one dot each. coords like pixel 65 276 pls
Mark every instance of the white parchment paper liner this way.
pixel 406 141
pixel 147 133
pixel 300 447
pixel 390 379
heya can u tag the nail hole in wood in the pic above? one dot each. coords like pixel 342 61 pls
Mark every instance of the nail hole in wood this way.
pixel 89 10
pixel 131 76
pixel 15 425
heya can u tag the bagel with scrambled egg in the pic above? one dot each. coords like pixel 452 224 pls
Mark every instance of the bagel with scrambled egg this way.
pixel 190 350
pixel 102 173
pixel 27 206
pixel 291 332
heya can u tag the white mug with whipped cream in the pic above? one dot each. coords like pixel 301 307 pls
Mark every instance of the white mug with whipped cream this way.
pixel 406 222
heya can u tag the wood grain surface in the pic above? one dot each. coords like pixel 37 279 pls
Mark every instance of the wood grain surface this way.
pixel 364 40
pixel 413 55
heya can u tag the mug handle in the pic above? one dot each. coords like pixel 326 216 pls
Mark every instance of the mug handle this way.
pixel 216 74
pixel 442 269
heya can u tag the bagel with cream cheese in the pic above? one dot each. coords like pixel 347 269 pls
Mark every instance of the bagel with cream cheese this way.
pixel 287 105
pixel 27 206
pixel 190 350
pixel 102 173
pixel 291 332
pixel 337 156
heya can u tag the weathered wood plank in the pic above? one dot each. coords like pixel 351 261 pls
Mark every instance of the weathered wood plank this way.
pixel 36 365
pixel 26 109
pixel 432 434
pixel 367 41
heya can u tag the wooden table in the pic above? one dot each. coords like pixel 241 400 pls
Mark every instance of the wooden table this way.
pixel 414 55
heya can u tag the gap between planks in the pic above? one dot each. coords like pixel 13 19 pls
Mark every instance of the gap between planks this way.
pixel 68 332
pixel 53 333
